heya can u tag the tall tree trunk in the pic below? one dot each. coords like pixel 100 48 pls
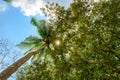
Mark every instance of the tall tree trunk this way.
pixel 12 68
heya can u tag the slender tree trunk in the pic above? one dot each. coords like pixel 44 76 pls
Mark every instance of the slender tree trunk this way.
pixel 12 68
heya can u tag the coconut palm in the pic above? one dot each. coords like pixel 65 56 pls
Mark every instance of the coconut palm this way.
pixel 36 44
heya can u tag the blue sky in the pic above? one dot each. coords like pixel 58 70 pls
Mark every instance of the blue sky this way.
pixel 15 19
pixel 14 25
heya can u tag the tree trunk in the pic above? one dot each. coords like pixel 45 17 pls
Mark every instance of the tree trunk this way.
pixel 12 68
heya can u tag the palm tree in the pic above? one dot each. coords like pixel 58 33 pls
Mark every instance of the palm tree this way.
pixel 34 43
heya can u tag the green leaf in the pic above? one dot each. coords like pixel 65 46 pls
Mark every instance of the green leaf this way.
pixel 41 27
pixel 30 42
pixel 34 22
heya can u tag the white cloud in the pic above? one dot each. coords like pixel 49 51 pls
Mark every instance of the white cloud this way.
pixel 3 6
pixel 32 7
pixel 29 7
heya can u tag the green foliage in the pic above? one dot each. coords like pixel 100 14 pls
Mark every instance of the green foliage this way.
pixel 34 42
pixel 90 43
pixel 42 28
pixel 29 42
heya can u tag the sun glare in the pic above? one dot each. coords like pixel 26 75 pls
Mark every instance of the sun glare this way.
pixel 57 42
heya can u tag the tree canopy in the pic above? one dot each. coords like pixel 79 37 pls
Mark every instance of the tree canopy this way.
pixel 89 43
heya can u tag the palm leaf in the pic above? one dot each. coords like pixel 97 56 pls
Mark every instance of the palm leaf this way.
pixel 39 25
pixel 42 27
pixel 29 42
pixel 38 57
pixel 34 22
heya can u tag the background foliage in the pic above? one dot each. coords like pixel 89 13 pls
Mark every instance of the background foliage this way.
pixel 89 43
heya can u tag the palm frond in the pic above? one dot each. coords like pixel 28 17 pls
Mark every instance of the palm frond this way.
pixel 34 22
pixel 30 42
pixel 42 27
pixel 40 56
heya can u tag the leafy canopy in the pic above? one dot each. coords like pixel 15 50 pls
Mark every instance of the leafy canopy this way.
pixel 90 43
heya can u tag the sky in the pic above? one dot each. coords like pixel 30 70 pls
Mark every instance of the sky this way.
pixel 15 18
